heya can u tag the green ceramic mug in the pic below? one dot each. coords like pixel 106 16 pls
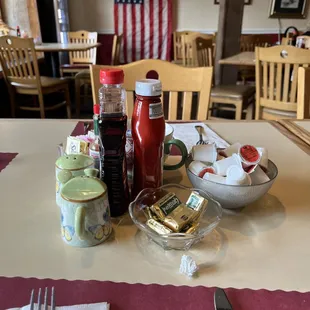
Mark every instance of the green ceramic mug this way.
pixel 169 142
pixel 84 208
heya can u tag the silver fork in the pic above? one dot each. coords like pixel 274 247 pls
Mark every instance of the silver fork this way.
pixel 200 131
pixel 45 305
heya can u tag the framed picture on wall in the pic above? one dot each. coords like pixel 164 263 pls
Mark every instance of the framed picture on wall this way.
pixel 288 8
pixel 247 2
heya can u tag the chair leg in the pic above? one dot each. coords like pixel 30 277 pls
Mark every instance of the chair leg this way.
pixel 85 93
pixel 78 97
pixel 61 73
pixel 68 101
pixel 238 113
pixel 249 111
pixel 41 104
pixel 12 101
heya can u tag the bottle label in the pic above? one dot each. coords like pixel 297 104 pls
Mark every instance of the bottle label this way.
pixel 156 111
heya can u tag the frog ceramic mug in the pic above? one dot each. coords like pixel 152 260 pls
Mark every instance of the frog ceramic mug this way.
pixel 75 163
pixel 84 208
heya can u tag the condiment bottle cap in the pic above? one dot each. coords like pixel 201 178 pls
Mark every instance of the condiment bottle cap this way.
pixel 148 87
pixel 111 76
pixel 96 109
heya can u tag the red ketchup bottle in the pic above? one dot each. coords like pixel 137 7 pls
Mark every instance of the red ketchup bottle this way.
pixel 148 134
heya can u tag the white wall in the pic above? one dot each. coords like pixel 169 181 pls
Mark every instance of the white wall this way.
pixel 15 13
pixel 201 15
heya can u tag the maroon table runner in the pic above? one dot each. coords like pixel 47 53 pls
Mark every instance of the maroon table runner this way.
pixel 79 129
pixel 5 159
pixel 15 292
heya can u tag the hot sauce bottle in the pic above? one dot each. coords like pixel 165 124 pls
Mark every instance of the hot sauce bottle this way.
pixel 148 133
pixel 112 131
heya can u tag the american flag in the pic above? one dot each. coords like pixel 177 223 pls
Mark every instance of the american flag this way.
pixel 146 26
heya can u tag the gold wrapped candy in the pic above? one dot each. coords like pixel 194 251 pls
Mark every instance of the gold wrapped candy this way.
pixel 169 215
pixel 179 218
pixel 158 227
pixel 165 205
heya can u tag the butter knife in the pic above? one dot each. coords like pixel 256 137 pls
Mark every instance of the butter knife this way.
pixel 221 301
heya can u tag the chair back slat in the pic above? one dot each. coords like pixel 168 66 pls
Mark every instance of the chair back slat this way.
pixel 129 102
pixel 175 79
pixel 187 105
pixel 82 37
pixel 22 56
pixel 277 79
pixel 293 92
pixel 19 61
pixel 271 81
pixel 116 48
pixel 303 95
pixel 287 72
pixel 173 106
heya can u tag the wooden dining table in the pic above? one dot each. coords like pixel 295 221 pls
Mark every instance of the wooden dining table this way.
pixel 259 253
pixel 299 128
pixel 54 48
pixel 241 59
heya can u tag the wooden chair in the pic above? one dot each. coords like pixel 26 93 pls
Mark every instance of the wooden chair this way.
pixel 174 78
pixel 189 52
pixel 248 42
pixel 303 93
pixel 177 43
pixel 80 60
pixel 117 40
pixel 204 52
pixel 21 72
pixel 237 95
pixel 277 80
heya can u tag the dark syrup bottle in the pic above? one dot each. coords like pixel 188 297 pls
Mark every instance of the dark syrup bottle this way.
pixel 112 131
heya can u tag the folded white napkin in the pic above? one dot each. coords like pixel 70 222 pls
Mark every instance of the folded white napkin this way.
pixel 187 133
pixel 98 306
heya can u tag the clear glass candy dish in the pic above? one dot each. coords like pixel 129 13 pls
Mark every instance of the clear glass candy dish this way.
pixel 178 241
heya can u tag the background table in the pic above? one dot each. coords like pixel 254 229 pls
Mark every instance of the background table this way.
pixel 260 246
pixel 54 48
pixel 299 128
pixel 241 59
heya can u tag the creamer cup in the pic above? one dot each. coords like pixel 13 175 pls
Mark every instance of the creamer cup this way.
pixel 205 153
pixel 199 169
pixel 237 176
pixel 214 178
pixel 249 155
pixel 264 157
pixel 259 176
pixel 232 149
pixel 221 166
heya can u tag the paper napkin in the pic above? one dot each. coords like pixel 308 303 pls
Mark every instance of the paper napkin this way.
pixel 97 306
